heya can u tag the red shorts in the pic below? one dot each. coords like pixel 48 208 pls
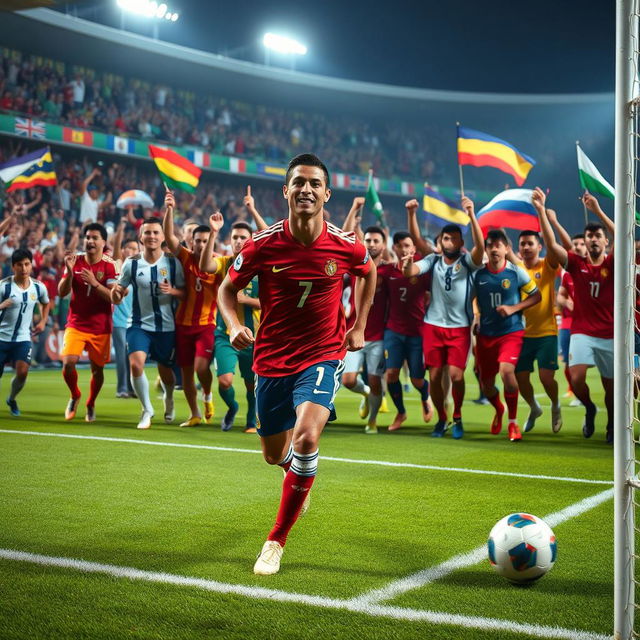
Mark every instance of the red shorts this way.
pixel 443 346
pixel 492 350
pixel 194 342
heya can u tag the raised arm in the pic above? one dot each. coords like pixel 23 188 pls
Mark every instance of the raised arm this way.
pixel 116 241
pixel 87 181
pixel 556 252
pixel 565 238
pixel 173 242
pixel 250 204
pixel 424 247
pixel 593 205
pixel 477 253
pixel 208 263
pixel 352 221
pixel 239 335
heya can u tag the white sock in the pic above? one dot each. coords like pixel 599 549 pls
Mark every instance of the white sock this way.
pixel 16 386
pixel 360 387
pixel 168 390
pixel 141 387
pixel 207 397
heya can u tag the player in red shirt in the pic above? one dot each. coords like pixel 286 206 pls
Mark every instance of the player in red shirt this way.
pixel 592 323
pixel 196 315
pixel 403 332
pixel 302 338
pixel 89 277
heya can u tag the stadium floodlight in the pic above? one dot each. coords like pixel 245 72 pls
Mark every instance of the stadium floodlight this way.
pixel 149 9
pixel 282 44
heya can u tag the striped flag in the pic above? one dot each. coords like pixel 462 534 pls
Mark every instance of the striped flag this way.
pixel 441 210
pixel 590 178
pixel 176 172
pixel 36 169
pixel 511 209
pixel 77 136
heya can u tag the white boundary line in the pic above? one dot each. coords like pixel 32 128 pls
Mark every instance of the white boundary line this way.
pixel 261 593
pixel 379 463
pixel 427 576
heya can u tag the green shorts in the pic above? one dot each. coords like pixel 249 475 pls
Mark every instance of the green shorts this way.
pixel 227 358
pixel 544 350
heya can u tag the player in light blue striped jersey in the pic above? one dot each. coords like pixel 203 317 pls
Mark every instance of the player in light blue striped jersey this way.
pixel 19 295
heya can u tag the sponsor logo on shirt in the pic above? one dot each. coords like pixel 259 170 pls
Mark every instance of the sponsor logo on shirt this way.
pixel 331 267
pixel 506 283
pixel 277 270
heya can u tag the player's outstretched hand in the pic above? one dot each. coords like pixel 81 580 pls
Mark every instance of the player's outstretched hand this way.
pixel 70 260
pixel 248 199
pixel 216 221
pixel 89 277
pixel 358 202
pixel 169 200
pixel 354 340
pixel 538 198
pixel 241 338
pixel 590 202
pixel 411 205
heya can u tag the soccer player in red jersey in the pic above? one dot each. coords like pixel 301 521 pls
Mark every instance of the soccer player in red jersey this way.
pixel 592 323
pixel 302 338
pixel 196 315
pixel 89 277
pixel 403 332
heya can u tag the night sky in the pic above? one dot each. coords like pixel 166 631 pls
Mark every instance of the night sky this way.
pixel 496 46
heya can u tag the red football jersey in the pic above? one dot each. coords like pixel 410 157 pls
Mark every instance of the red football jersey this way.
pixel 567 283
pixel 88 311
pixel 593 299
pixel 406 299
pixel 300 295
pixel 377 319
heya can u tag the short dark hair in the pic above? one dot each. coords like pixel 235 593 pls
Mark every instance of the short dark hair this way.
pixel 374 229
pixel 126 241
pixel 21 254
pixel 242 225
pixel 151 221
pixel 450 228
pixel 578 236
pixel 307 160
pixel 95 226
pixel 595 226
pixel 399 236
pixel 201 228
pixel 495 235
pixel 530 232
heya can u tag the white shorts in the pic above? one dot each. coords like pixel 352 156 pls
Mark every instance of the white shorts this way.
pixel 372 353
pixel 592 351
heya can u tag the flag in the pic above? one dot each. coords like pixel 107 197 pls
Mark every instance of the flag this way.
pixel 39 172
pixel 199 158
pixel 372 200
pixel 77 136
pixel 590 178
pixel 121 145
pixel 482 150
pixel 16 166
pixel 441 210
pixel 511 209
pixel 176 171
pixel 29 128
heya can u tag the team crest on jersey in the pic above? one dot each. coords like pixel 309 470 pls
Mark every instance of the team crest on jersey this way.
pixel 331 267
pixel 237 263
pixel 538 275
pixel 506 283
pixel 457 267
pixel 163 272
pixel 413 280
pixel 604 272
pixel 33 296
pixel 99 275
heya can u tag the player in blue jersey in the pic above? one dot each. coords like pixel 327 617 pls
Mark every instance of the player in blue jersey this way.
pixel 499 286
pixel 157 282
pixel 19 295
pixel 447 321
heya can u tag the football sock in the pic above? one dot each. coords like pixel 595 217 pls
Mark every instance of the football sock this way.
pixel 141 387
pixel 251 407
pixel 295 489
pixel 511 398
pixel 359 387
pixel 168 389
pixel 457 391
pixel 16 386
pixel 495 401
pixel 207 397
pixel 94 389
pixel 424 391
pixel 285 463
pixel 374 406
pixel 395 391
pixel 228 395
pixel 442 414
pixel 71 378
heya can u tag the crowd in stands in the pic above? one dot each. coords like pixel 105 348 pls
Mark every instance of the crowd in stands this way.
pixel 87 98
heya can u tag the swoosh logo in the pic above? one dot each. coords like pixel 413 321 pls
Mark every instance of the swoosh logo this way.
pixel 276 270
pixel 316 391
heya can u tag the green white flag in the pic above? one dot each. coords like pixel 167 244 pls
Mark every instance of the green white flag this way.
pixel 372 200
pixel 590 178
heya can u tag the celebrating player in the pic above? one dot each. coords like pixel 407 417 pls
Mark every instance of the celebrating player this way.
pixel 195 317
pixel 227 356
pixel 446 329
pixel 498 287
pixel 301 341
pixel 156 280
pixel 89 277
pixel 19 295
pixel 592 324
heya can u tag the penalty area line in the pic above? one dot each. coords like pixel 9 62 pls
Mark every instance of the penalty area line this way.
pixel 377 463
pixel 275 595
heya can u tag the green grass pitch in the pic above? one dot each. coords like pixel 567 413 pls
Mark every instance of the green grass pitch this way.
pixel 203 513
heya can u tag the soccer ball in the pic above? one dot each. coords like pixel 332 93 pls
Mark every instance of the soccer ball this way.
pixel 522 548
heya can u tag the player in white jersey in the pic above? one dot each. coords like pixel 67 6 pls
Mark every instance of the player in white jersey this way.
pixel 157 282
pixel 447 320
pixel 19 295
